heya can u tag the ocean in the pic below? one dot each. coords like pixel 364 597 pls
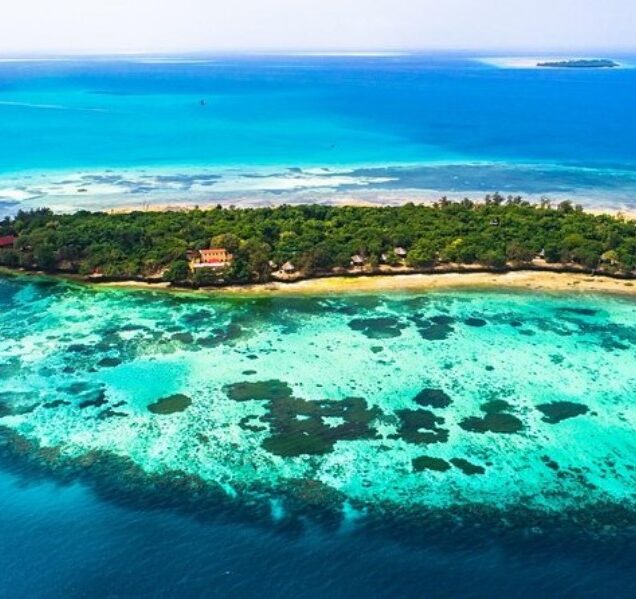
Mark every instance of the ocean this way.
pixel 454 443
pixel 245 130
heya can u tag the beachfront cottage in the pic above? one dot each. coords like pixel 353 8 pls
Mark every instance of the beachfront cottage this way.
pixel 7 242
pixel 400 252
pixel 289 268
pixel 215 258
pixel 357 260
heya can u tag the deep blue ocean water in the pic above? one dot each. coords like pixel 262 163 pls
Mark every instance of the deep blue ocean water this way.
pixel 64 542
pixel 415 122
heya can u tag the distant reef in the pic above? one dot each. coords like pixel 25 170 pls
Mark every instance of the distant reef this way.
pixel 598 63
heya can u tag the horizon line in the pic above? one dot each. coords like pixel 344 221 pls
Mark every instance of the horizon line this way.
pixel 318 52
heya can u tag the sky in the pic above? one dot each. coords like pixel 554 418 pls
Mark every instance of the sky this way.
pixel 162 26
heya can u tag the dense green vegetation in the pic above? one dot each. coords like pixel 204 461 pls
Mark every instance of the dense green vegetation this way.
pixel 495 233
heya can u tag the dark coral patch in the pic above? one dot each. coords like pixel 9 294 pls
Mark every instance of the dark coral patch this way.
pixel 436 328
pixel 251 423
pixel 550 463
pixel 76 388
pixel 261 390
pixel 467 467
pixel 433 398
pixel 578 311
pixel 57 403
pixel 421 426
pixel 442 319
pixel 493 423
pixel 302 427
pixel 425 462
pixel 475 322
pixel 299 427
pixel 557 411
pixel 94 399
pixel 170 405
pixel 378 328
pixel 109 362
pixel 495 406
pixel 110 413
pixel 183 337
pixel 221 336
pixel 496 419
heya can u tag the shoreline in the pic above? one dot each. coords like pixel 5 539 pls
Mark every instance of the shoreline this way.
pixel 528 280
pixel 533 281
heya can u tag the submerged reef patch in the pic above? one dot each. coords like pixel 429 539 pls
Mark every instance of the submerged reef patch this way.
pixel 467 467
pixel 432 398
pixel 301 427
pixel 170 405
pixel 305 427
pixel 260 390
pixel 425 462
pixel 421 427
pixel 435 328
pixel 475 322
pixel 496 420
pixel 378 328
pixel 557 411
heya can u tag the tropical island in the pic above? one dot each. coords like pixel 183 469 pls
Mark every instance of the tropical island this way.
pixel 581 63
pixel 226 246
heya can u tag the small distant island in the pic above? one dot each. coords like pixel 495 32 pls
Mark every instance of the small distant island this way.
pixel 596 63
pixel 218 247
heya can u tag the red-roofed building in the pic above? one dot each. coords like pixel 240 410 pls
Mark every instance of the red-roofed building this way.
pixel 8 241
pixel 213 258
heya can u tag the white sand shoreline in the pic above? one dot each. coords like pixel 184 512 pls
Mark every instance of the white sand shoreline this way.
pixel 522 280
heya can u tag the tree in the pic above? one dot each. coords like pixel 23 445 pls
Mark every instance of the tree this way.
pixel 178 272
pixel 493 259
pixel 227 241
pixel 44 257
pixel 519 252
pixel 422 254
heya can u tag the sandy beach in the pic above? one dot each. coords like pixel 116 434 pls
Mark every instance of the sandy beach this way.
pixel 518 280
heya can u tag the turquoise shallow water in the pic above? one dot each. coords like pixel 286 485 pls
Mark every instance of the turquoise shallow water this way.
pixel 95 133
pixel 400 401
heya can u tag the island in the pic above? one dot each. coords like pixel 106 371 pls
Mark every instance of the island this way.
pixel 227 246
pixel 596 63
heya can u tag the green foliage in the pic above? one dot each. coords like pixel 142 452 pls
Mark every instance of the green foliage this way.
pixel 422 255
pixel 178 272
pixel 319 238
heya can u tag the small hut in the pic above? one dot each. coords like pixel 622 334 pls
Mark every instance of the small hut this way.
pixel 288 268
pixel 357 260
pixel 400 252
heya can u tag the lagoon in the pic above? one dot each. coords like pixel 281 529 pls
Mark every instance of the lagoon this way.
pixel 507 402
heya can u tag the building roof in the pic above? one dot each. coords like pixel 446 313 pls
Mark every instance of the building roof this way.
pixel 7 241
pixel 288 266
pixel 400 251
pixel 215 256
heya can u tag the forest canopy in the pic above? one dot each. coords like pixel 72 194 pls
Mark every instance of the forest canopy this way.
pixel 495 233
